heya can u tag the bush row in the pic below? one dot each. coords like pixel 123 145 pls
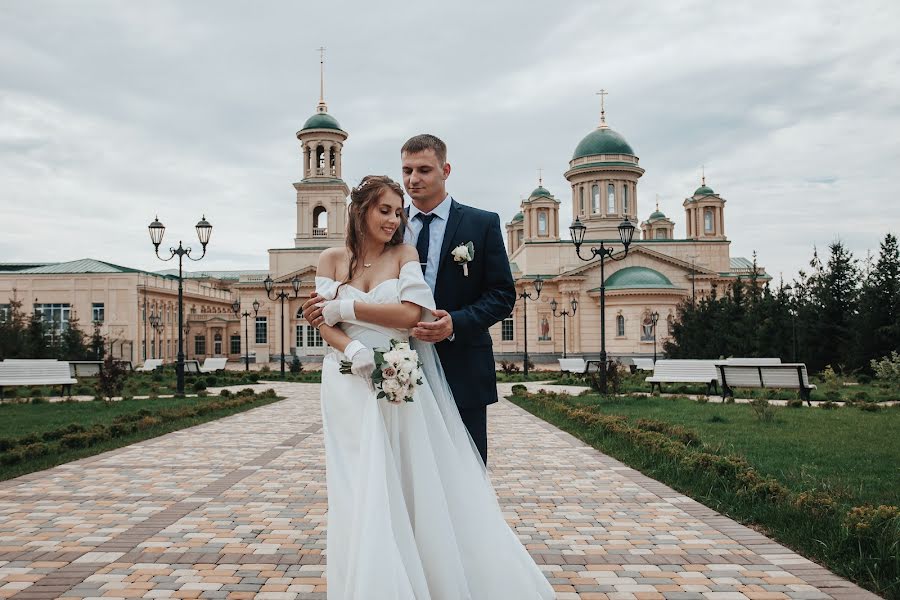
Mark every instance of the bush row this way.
pixel 76 436
pixel 865 540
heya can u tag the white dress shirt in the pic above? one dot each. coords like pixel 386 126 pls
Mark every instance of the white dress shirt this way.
pixel 436 238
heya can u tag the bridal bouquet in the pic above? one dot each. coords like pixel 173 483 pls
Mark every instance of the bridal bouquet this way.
pixel 397 372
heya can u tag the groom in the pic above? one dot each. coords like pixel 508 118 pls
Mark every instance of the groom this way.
pixel 470 298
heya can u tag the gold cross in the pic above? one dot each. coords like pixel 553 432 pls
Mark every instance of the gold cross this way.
pixel 321 50
pixel 540 176
pixel 602 93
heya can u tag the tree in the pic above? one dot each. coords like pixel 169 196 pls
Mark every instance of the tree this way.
pixel 878 325
pixel 72 346
pixel 35 342
pixel 12 330
pixel 98 343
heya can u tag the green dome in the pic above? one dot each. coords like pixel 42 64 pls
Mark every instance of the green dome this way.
pixel 704 190
pixel 321 121
pixel 602 141
pixel 656 215
pixel 541 191
pixel 519 216
pixel 637 277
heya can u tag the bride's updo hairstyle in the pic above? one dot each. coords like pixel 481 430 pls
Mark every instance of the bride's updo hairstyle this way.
pixel 362 198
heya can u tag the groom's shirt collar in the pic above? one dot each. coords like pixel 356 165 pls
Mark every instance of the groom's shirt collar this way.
pixel 441 211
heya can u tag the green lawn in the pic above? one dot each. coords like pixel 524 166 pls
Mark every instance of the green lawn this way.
pixel 20 420
pixel 844 450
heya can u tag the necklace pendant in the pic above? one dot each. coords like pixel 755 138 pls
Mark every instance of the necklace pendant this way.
pixel 367 265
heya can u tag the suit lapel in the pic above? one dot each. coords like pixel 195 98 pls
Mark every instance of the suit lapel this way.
pixel 453 220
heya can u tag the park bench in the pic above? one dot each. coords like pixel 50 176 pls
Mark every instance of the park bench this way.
pixel 211 365
pixel 151 364
pixel 684 371
pixel 643 364
pixel 36 372
pixel 572 365
pixel 192 367
pixel 92 368
pixel 786 375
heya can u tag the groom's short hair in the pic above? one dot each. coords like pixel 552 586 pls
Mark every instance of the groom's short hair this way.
pixel 426 141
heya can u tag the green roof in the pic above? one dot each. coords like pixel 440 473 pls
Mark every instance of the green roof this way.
pixel 541 191
pixel 704 190
pixel 656 215
pixel 519 216
pixel 602 140
pixel 637 277
pixel 321 121
pixel 84 265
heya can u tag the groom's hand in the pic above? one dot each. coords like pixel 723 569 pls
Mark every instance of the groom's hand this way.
pixel 434 331
pixel 311 312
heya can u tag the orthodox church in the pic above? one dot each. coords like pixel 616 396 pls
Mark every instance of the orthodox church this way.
pixel 643 288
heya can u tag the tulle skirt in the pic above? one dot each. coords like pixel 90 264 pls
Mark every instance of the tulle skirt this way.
pixel 411 511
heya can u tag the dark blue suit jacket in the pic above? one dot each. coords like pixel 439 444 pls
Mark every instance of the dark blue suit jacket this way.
pixel 475 303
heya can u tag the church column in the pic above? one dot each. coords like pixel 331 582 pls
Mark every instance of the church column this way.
pixel 312 158
pixel 337 162
pixel 720 214
pixel 328 148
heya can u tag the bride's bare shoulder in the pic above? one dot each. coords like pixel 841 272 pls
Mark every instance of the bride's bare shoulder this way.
pixel 330 261
pixel 405 253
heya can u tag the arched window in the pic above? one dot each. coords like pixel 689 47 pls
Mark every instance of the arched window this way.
pixel 320 159
pixel 542 222
pixel 625 199
pixel 670 324
pixel 620 325
pixel 610 199
pixel 708 221
pixel 661 234
pixel 520 236
pixel 320 221
pixel 595 198
pixel 581 199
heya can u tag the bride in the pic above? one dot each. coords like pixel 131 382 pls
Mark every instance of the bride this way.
pixel 411 511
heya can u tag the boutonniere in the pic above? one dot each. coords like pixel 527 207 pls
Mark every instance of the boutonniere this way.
pixel 463 254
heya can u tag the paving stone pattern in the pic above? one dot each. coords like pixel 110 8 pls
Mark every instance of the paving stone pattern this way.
pixel 236 509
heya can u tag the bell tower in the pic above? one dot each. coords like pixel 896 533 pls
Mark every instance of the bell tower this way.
pixel 321 194
pixel 704 214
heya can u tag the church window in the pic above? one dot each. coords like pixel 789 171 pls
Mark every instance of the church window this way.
pixel 661 234
pixel 520 235
pixel 506 329
pixel 625 198
pixel 542 222
pixel 595 198
pixel 581 199
pixel 620 325
pixel 320 160
pixel 670 325
pixel 708 221
pixel 610 199
pixel 320 221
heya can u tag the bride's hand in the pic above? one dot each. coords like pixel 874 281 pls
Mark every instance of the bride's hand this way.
pixel 335 311
pixel 362 359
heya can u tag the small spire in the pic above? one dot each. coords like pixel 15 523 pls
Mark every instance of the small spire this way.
pixel 702 174
pixel 322 107
pixel 657 203
pixel 603 93
pixel 540 176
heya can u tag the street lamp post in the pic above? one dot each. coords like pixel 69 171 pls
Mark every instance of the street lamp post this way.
pixel 204 230
pixel 626 233
pixel 526 296
pixel 564 313
pixel 282 295
pixel 654 319
pixel 236 307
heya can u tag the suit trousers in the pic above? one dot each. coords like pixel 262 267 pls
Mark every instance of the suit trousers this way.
pixel 475 420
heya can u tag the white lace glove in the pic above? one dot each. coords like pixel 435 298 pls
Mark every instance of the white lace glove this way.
pixel 335 311
pixel 362 359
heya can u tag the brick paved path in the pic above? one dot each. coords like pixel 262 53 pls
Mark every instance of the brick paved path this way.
pixel 235 509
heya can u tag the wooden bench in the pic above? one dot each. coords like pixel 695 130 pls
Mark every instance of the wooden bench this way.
pixel 36 372
pixel 211 365
pixel 572 365
pixel 151 364
pixel 684 371
pixel 786 375
pixel 643 364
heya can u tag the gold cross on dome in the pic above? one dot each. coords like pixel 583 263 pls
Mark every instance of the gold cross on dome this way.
pixel 602 93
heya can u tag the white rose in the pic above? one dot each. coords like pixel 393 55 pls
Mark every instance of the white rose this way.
pixel 392 357
pixel 403 346
pixel 390 385
pixel 402 376
pixel 460 254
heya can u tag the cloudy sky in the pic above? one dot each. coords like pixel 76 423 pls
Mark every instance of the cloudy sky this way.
pixel 113 112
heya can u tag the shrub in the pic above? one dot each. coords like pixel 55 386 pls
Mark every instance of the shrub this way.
pixel 111 380
pixel 828 405
pixel 861 396
pixel 39 400
pixel 296 365
pixel 199 386
pixel 888 368
pixel 763 410
pixel 868 406
pixel 702 399
pixel 254 377
pixel 795 403
pixel 212 381
pixel 729 400
pixel 265 369
pixel 509 367
pixel 226 393
pixel 156 376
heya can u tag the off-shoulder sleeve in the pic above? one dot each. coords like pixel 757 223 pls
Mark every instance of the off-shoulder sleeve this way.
pixel 326 287
pixel 413 287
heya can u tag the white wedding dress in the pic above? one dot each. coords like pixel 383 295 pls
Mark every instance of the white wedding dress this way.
pixel 412 514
